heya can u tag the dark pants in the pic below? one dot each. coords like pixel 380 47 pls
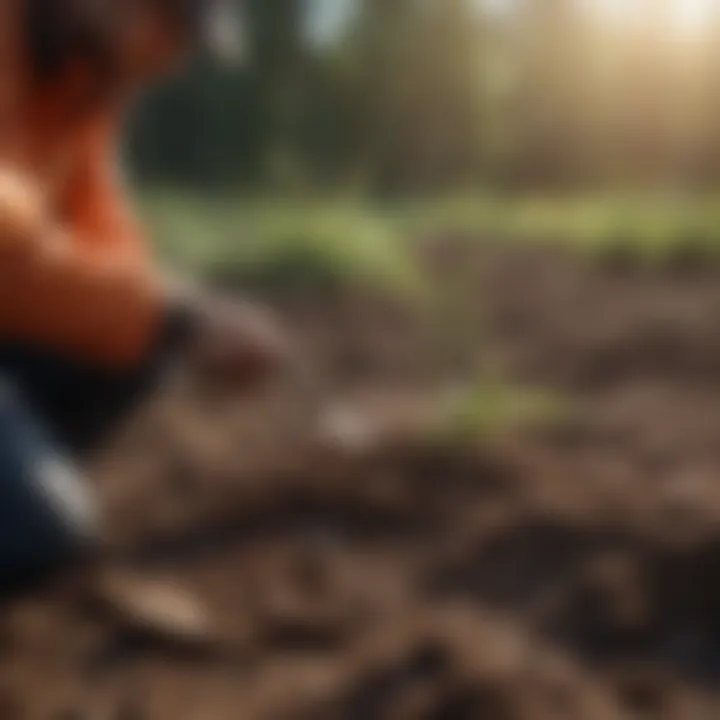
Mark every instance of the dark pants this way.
pixel 47 513
pixel 52 412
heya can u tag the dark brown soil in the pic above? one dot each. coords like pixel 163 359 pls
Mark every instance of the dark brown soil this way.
pixel 560 572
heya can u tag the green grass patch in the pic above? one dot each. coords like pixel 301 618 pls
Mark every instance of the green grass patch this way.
pixel 493 407
pixel 643 230
pixel 278 244
pixel 270 245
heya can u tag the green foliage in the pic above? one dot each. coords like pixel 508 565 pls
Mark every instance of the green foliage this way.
pixel 493 407
pixel 268 245
pixel 652 231
pixel 398 101
pixel 421 97
pixel 333 244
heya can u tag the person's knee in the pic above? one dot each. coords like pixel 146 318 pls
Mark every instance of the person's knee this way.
pixel 54 521
pixel 66 495
pixel 47 513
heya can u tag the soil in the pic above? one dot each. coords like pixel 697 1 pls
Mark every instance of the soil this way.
pixel 565 571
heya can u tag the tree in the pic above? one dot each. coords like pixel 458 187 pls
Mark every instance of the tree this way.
pixel 420 91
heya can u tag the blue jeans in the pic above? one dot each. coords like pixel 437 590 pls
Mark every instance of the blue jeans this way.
pixel 47 512
pixel 54 410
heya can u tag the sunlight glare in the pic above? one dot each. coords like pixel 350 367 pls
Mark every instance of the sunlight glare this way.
pixel 619 14
pixel 682 15
pixel 692 15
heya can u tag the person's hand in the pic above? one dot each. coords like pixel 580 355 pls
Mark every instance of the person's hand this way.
pixel 238 342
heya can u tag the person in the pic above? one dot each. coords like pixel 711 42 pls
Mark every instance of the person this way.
pixel 88 322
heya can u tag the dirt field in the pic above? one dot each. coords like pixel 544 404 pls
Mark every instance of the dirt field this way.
pixel 558 572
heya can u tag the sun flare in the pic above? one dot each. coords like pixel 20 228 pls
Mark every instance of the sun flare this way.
pixel 681 15
pixel 692 14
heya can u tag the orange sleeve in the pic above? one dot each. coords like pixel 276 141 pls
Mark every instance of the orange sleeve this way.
pixel 85 287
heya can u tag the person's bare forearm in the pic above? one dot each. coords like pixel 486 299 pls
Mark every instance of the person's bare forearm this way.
pixel 64 297
pixel 93 304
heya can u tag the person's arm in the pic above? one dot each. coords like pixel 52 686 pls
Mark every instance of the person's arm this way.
pixel 75 278
pixel 94 204
pixel 232 339
pixel 56 296
pixel 88 287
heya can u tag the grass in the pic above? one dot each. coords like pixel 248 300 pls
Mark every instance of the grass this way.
pixel 643 230
pixel 271 244
pixel 493 406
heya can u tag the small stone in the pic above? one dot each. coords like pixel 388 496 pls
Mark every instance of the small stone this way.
pixel 158 607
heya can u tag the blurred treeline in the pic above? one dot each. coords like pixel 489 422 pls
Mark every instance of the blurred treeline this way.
pixel 410 97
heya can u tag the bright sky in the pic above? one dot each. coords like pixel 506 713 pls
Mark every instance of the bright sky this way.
pixel 684 15
pixel 328 17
